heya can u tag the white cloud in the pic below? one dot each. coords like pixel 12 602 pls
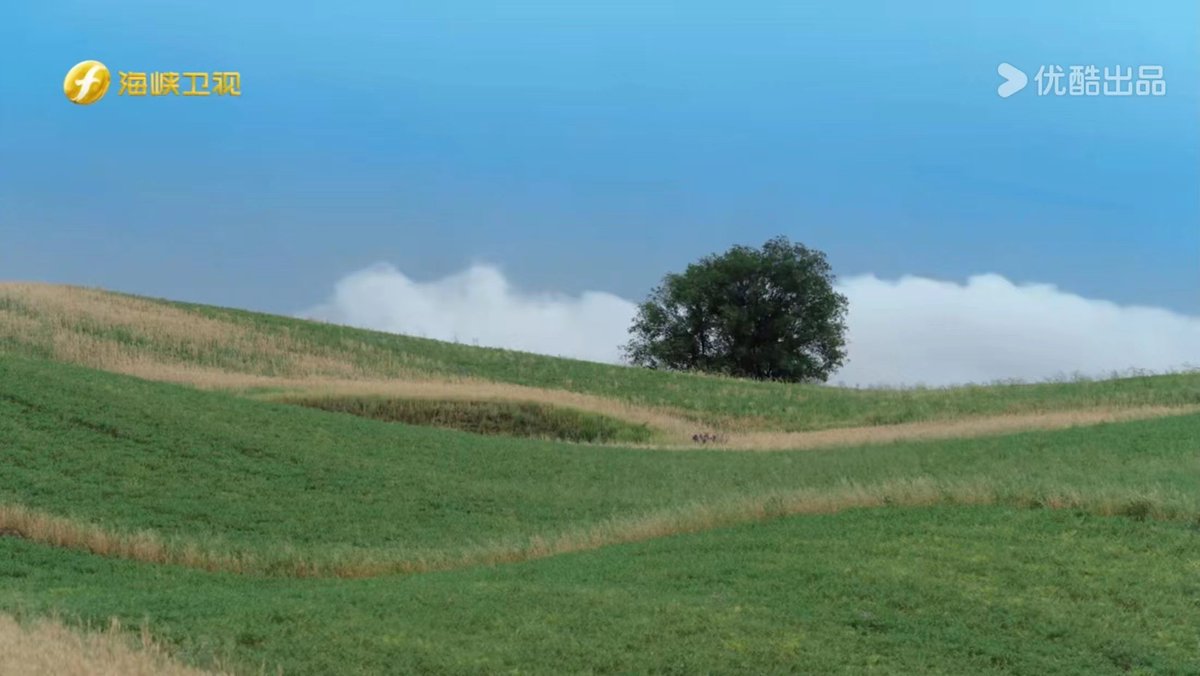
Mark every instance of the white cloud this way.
pixel 918 330
pixel 479 306
pixel 910 331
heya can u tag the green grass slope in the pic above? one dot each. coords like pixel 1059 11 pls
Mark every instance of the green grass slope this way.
pixel 232 526
pixel 736 402
pixel 113 331
pixel 292 484
pixel 930 591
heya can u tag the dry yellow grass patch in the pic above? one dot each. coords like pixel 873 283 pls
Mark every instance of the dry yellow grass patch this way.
pixel 114 332
pixel 944 429
pixel 69 306
pixel 47 648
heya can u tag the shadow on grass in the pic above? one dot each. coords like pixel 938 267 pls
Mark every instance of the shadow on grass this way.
pixel 505 418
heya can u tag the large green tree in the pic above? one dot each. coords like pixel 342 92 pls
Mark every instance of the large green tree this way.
pixel 769 313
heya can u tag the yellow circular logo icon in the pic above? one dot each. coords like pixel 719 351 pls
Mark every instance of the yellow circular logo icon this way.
pixel 86 82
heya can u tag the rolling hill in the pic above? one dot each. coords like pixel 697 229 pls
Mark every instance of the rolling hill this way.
pixel 259 492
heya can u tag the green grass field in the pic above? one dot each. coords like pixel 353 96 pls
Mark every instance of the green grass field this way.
pixel 355 534
pixel 945 590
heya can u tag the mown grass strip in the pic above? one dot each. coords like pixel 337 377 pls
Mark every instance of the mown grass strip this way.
pixel 289 561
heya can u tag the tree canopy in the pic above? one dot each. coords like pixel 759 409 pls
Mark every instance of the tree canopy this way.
pixel 766 313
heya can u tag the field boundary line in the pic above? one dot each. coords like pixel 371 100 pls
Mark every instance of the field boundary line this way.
pixel 149 547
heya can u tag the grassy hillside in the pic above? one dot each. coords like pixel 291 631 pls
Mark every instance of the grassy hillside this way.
pixel 732 401
pixel 285 486
pixel 242 350
pixel 259 492
pixel 949 590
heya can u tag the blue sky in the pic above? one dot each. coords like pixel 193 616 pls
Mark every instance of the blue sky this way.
pixel 597 145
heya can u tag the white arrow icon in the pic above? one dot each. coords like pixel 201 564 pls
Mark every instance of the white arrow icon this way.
pixel 1014 80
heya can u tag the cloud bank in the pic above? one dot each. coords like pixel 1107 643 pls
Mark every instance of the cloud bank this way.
pixel 916 330
pixel 478 306
pixel 903 332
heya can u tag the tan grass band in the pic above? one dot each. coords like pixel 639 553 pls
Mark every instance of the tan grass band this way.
pixel 288 561
pixel 48 648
